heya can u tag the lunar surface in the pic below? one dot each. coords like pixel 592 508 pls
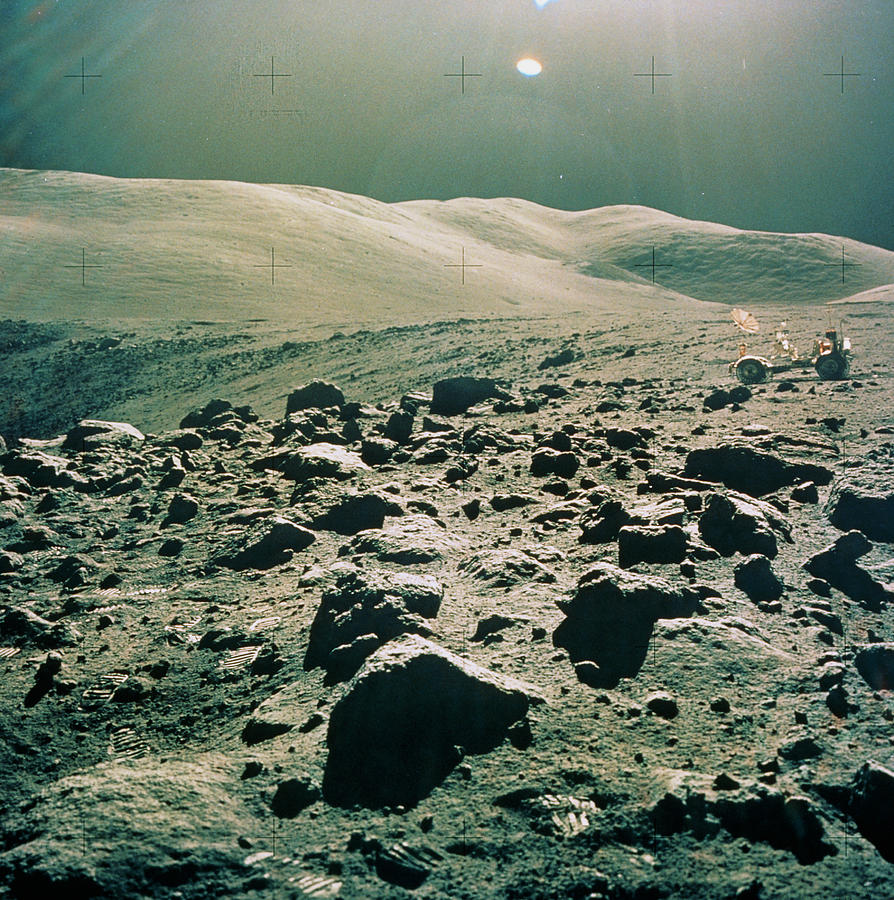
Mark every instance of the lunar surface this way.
pixel 431 549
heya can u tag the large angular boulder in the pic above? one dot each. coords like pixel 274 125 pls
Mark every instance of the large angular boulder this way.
pixel 863 499
pixel 128 830
pixel 875 663
pixel 452 396
pixel 734 523
pixel 39 469
pixel 353 512
pixel 837 564
pixel 409 540
pixel 602 522
pixel 505 568
pixel 365 609
pixel 697 803
pixel 316 395
pixel 872 806
pixel 609 620
pixel 754 472
pixel 201 418
pixel 322 461
pixel 651 544
pixel 91 433
pixel 407 717
pixel 270 543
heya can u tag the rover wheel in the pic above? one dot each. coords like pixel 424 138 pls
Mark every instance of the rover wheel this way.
pixel 832 367
pixel 751 371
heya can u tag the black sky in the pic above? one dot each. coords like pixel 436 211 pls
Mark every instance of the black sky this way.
pixel 748 129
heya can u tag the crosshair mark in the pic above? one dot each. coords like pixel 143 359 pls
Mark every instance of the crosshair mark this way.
pixel 272 75
pixel 83 76
pixel 273 265
pixel 653 265
pixel 652 74
pixel 462 266
pixel 842 265
pixel 462 75
pixel 83 266
pixel 841 74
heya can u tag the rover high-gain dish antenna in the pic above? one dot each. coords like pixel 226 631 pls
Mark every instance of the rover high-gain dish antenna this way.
pixel 745 321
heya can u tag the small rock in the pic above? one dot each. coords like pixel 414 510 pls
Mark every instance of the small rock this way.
pixel 806 492
pixel 181 509
pixel 662 704
pixel 755 577
pixel 294 795
pixel 399 427
pixel 800 748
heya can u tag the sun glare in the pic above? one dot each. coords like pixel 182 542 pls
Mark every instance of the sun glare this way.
pixel 529 67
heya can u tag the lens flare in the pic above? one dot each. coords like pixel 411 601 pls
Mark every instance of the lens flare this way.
pixel 529 67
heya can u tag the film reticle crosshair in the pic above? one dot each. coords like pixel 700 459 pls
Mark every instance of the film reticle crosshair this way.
pixel 841 74
pixel 83 76
pixel 273 265
pixel 653 265
pixel 462 265
pixel 462 75
pixel 652 74
pixel 83 265
pixel 272 75
pixel 843 265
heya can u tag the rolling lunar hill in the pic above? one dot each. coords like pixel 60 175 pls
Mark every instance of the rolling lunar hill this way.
pixel 289 610
pixel 182 250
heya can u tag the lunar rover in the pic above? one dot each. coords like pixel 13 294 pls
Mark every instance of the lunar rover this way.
pixel 830 357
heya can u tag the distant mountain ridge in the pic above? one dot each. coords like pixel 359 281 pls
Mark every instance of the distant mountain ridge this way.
pixel 316 257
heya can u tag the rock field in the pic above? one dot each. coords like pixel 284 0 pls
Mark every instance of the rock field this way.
pixel 563 617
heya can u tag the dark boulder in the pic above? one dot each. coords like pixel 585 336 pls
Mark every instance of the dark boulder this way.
pixel 294 795
pixel 202 418
pixel 837 565
pixel 452 396
pixel 316 395
pixel 733 523
pixel 353 513
pixel 562 358
pixel 399 427
pixel 396 732
pixel 755 577
pixel 365 609
pixel 181 509
pixel 610 617
pixel 554 462
pixel 270 543
pixel 864 500
pixel 872 807
pixel 603 522
pixel 875 663
pixel 754 472
pixel 623 438
pixel 651 544
pixel 377 451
